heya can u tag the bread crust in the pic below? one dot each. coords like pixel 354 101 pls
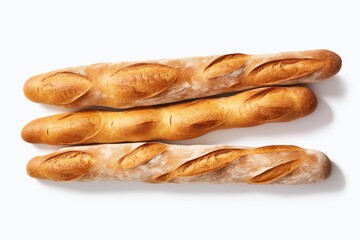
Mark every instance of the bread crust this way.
pixel 132 84
pixel 163 163
pixel 173 122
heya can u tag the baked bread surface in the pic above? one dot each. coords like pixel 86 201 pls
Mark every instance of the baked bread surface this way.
pixel 155 162
pixel 173 122
pixel 132 84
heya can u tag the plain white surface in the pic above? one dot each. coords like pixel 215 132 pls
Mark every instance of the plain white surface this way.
pixel 39 36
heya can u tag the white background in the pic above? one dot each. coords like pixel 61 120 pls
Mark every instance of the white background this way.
pixel 39 36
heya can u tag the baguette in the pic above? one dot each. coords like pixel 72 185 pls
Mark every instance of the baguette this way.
pixel 161 163
pixel 173 122
pixel 132 84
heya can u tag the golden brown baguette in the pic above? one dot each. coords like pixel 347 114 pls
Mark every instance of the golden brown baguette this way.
pixel 159 163
pixel 131 84
pixel 173 122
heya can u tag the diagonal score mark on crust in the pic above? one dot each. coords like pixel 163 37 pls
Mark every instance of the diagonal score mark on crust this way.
pixel 75 127
pixel 270 104
pixel 197 117
pixel 275 148
pixel 284 69
pixel 207 163
pixel 67 166
pixel 225 64
pixel 142 80
pixel 141 155
pixel 276 172
pixel 63 87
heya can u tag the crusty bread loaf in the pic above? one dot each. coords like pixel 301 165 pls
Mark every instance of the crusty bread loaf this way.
pixel 173 122
pixel 131 84
pixel 160 163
